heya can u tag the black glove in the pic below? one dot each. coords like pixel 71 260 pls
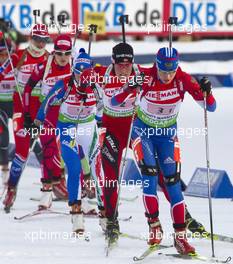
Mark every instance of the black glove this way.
pixel 99 123
pixel 205 85
pixel 82 91
pixel 32 128
pixel 136 81
pixel 28 121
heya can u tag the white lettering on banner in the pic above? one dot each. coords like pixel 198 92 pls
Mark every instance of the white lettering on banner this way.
pixel 140 13
pixel 215 15
pixel 162 95
pixel 145 16
pixel 19 12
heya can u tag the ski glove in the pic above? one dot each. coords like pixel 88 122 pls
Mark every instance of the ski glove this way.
pixel 30 126
pixel 205 85
pixel 28 121
pixel 136 81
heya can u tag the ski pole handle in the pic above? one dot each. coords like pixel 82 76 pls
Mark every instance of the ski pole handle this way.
pixel 77 35
pixel 61 21
pixel 124 19
pixel 171 21
pixel 92 31
pixel 36 13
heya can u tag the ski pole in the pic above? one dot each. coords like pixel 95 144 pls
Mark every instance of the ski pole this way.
pixel 61 21
pixel 208 173
pixel 36 13
pixel 124 19
pixel 54 24
pixel 123 160
pixel 92 31
pixel 77 34
pixel 171 21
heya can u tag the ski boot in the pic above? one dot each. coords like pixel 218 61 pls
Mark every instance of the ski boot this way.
pixel 155 232
pixel 77 219
pixel 9 198
pixel 46 197
pixel 113 231
pixel 59 187
pixel 181 243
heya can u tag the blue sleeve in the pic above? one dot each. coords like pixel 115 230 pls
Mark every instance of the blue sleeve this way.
pixel 98 118
pixel 209 107
pixel 55 96
pixel 212 107
pixel 122 95
pixel 114 101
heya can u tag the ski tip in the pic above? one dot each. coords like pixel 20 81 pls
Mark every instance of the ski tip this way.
pixel 228 259
pixel 87 239
pixel 126 218
pixel 136 258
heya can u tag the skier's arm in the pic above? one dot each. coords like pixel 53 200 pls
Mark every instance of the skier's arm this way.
pixel 35 77
pixel 87 81
pixel 129 89
pixel 6 66
pixel 121 96
pixel 55 96
pixel 197 90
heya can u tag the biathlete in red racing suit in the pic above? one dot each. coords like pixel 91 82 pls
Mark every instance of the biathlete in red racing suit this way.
pixel 116 123
pixel 56 67
pixel 7 85
pixel 28 59
pixel 155 127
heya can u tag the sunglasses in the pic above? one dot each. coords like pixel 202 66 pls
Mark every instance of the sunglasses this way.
pixel 40 39
pixel 167 72
pixel 65 53
pixel 124 65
